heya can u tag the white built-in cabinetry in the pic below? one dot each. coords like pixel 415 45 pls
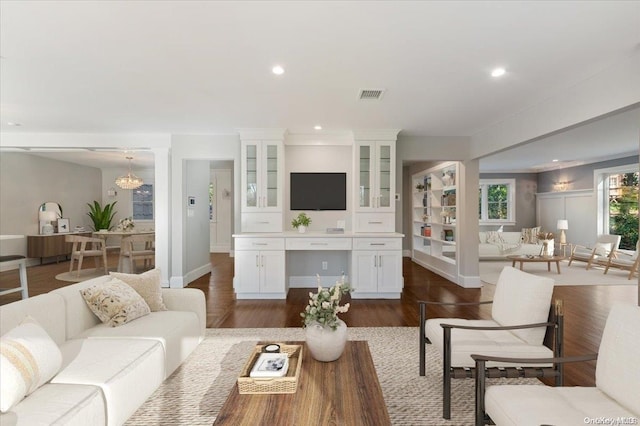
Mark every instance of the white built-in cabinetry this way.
pixel 434 210
pixel 374 189
pixel 260 268
pixel 262 184
pixel 371 249
pixel 376 267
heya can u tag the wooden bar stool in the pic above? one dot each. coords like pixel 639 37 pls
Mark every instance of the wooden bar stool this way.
pixel 22 267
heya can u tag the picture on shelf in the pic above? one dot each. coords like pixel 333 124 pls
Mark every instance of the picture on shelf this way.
pixel 63 226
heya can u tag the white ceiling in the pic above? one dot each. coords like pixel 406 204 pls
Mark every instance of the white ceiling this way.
pixel 203 67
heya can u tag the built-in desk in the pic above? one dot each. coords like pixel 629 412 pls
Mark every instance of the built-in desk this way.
pixel 264 261
pixel 52 245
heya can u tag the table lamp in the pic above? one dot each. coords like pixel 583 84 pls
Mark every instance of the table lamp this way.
pixel 563 225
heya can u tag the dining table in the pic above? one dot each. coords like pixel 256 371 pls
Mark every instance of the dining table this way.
pixel 122 266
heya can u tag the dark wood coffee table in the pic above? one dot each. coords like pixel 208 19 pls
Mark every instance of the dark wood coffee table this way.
pixel 343 392
pixel 535 259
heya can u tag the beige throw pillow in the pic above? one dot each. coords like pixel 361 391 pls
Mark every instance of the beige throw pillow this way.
pixel 147 285
pixel 115 302
pixel 494 237
pixel 29 358
pixel 530 235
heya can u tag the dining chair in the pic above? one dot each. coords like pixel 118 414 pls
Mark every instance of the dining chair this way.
pixel 87 247
pixel 137 247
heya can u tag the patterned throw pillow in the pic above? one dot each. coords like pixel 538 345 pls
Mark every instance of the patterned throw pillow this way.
pixel 29 358
pixel 114 302
pixel 494 237
pixel 147 285
pixel 530 235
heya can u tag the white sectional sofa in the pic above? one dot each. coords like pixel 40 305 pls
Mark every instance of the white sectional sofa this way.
pixel 511 243
pixel 106 372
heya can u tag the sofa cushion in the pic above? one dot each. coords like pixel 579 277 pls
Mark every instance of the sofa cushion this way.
pixel 467 342
pixel 28 359
pixel 518 405
pixel 530 235
pixel 177 331
pixel 494 237
pixel 54 404
pixel 127 370
pixel 148 285
pixel 115 302
pixel 602 249
pixel 618 368
pixel 522 298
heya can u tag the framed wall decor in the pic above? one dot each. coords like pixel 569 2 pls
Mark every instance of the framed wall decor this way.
pixel 63 226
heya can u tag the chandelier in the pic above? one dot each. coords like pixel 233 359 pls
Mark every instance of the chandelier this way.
pixel 130 181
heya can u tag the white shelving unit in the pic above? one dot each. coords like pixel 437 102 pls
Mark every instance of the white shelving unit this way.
pixel 434 210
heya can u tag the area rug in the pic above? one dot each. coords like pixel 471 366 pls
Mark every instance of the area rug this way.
pixel 85 274
pixel 194 394
pixel 576 274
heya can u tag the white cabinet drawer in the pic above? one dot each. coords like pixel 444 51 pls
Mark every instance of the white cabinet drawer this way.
pixel 375 222
pixel 318 243
pixel 259 244
pixel 377 243
pixel 261 222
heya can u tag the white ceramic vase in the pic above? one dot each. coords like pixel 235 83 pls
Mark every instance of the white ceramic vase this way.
pixel 302 229
pixel 325 343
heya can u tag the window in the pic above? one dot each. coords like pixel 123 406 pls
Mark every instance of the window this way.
pixel 142 202
pixel 618 204
pixel 497 201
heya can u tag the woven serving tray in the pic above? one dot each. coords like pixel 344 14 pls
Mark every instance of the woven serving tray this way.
pixel 260 385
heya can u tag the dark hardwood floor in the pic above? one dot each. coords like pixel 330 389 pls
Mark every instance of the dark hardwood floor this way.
pixel 586 307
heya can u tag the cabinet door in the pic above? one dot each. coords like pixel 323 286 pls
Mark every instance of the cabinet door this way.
pixel 365 176
pixel 272 275
pixel 389 271
pixel 247 271
pixel 271 185
pixel 366 271
pixel 250 155
pixel 385 177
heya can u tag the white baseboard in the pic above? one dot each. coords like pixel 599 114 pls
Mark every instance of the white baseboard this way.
pixel 406 253
pixel 470 281
pixel 222 248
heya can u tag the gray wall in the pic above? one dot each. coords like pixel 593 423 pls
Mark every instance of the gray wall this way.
pixel 27 180
pixel 580 177
pixel 196 228
pixel 526 188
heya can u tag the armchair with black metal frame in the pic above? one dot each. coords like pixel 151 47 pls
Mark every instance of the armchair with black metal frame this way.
pixel 524 321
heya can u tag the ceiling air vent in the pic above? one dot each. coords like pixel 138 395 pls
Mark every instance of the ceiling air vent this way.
pixel 370 94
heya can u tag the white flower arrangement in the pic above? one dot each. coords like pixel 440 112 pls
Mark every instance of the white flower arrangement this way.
pixel 126 224
pixel 324 306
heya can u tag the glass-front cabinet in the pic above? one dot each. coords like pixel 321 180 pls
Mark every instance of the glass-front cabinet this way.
pixel 376 176
pixel 262 176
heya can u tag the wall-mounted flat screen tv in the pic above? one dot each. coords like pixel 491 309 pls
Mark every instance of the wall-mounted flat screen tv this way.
pixel 318 191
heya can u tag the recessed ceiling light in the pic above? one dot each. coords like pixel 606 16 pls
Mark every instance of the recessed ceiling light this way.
pixel 277 70
pixel 317 127
pixel 555 160
pixel 11 123
pixel 498 72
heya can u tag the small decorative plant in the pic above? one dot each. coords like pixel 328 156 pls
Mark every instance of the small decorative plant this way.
pixel 126 224
pixel 420 187
pixel 545 235
pixel 324 306
pixel 101 216
pixel 301 220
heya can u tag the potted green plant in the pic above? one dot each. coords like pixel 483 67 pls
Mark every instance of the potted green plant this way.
pixel 301 222
pixel 101 216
